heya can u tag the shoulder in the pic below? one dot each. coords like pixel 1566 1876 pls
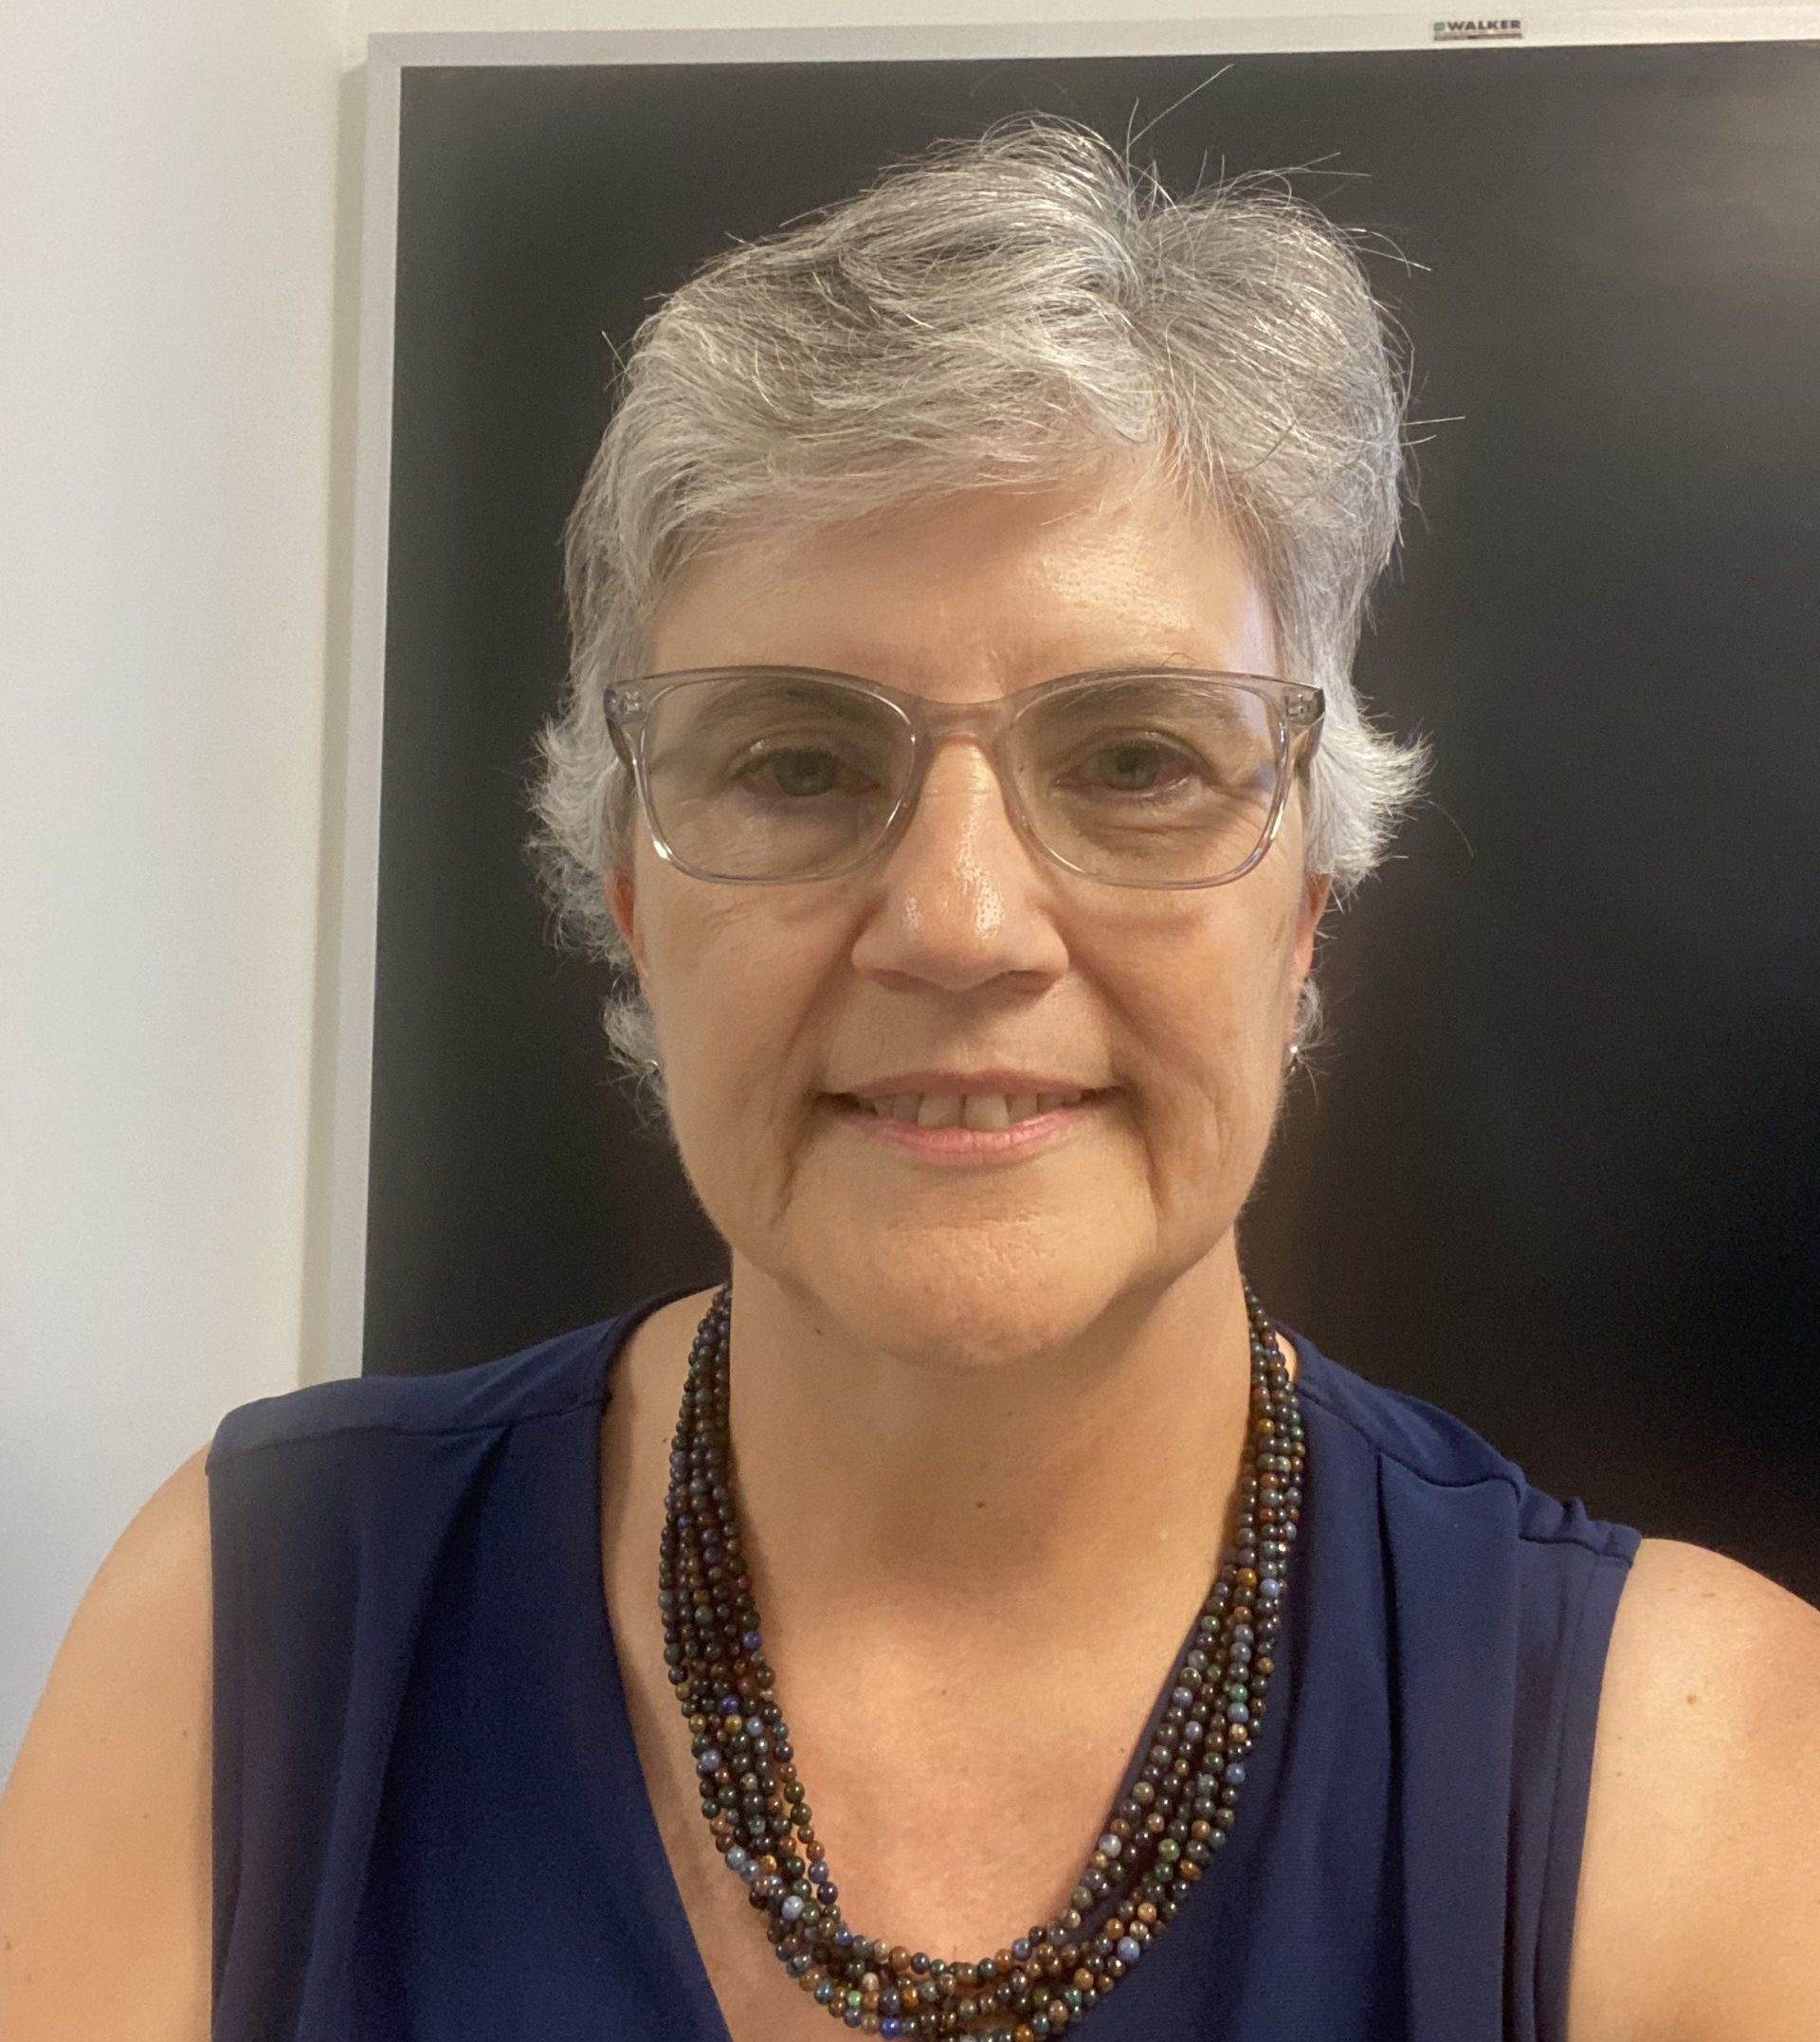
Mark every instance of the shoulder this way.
pixel 105 1854
pixel 1449 1472
pixel 547 1378
pixel 1697 1916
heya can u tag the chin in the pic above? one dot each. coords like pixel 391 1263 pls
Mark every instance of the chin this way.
pixel 970 1301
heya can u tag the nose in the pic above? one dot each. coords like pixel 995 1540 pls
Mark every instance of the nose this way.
pixel 960 899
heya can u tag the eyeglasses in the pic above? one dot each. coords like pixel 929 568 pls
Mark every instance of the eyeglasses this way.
pixel 761 774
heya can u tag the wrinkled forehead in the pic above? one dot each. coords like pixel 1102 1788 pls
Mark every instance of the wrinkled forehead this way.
pixel 975 593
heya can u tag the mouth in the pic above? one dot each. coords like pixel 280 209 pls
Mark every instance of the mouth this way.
pixel 980 1124
pixel 985 1112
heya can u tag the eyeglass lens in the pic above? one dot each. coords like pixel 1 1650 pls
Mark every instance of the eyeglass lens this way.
pixel 1144 778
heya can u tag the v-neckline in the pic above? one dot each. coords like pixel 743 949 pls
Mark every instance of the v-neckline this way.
pixel 618 1748
pixel 647 1849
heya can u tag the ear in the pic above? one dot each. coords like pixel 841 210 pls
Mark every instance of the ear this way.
pixel 1309 909
pixel 621 903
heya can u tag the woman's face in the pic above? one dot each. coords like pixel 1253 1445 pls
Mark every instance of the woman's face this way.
pixel 965 951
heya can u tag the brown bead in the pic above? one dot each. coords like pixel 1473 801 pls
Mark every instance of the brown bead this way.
pixel 712 1661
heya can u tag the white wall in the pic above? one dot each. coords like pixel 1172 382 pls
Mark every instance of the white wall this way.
pixel 177 375
pixel 374 17
pixel 167 214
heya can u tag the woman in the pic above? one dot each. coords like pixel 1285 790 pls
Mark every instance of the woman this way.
pixel 979 1618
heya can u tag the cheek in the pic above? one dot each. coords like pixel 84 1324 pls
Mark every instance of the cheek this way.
pixel 733 990
pixel 1200 1000
pixel 1219 979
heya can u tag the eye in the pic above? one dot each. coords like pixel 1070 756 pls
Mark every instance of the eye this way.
pixel 794 772
pixel 1138 765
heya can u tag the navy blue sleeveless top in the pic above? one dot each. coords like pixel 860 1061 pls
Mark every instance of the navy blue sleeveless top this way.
pixel 431 1824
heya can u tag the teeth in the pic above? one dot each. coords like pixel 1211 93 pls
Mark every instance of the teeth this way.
pixel 987 1112
pixel 989 1115
pixel 938 1109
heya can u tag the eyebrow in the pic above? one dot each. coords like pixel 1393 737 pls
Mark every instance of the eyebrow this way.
pixel 788 689
pixel 772 689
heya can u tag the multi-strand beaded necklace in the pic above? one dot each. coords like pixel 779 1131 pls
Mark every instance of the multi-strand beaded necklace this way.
pixel 1161 1835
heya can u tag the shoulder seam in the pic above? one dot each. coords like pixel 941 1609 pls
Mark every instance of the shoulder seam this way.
pixel 1601 1549
pixel 345 1427
pixel 401 1430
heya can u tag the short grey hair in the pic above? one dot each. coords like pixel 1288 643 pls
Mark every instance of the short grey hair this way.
pixel 1014 308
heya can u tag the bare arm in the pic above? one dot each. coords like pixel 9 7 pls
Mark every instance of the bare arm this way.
pixel 105 1844
pixel 1698 1911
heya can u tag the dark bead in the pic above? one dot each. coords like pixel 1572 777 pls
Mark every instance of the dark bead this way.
pixel 713 1651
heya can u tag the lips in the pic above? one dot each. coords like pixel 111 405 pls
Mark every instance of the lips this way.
pixel 952 1142
pixel 985 1112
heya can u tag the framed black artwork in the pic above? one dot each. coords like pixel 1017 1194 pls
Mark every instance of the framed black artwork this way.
pixel 1559 1168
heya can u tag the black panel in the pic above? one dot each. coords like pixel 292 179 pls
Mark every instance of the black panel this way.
pixel 1561 1167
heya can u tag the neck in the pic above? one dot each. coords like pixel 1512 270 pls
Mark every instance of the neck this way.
pixel 881 1498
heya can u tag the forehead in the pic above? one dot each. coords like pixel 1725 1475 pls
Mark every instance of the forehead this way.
pixel 979 593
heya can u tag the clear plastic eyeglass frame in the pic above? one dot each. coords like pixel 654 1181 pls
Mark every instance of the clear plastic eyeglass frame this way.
pixel 1297 709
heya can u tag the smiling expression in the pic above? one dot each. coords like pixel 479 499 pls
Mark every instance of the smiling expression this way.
pixel 963 961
